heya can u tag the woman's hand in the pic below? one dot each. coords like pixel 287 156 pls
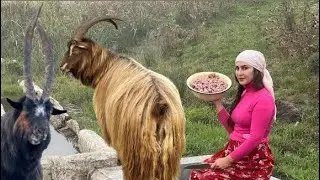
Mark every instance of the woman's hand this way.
pixel 218 104
pixel 222 163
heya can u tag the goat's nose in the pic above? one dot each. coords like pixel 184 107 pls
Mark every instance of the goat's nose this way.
pixel 37 136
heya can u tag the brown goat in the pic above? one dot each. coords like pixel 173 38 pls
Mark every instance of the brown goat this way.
pixel 140 111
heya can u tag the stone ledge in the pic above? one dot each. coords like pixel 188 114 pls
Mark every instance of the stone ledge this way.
pixel 89 141
pixel 193 159
pixel 76 166
pixel 111 173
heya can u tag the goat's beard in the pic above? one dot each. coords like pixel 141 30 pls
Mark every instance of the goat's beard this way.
pixel 84 76
pixel 29 150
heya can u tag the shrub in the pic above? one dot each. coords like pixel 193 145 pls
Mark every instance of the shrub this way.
pixel 297 29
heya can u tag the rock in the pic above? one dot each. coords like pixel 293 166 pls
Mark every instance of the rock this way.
pixel 70 135
pixel 57 122
pixel 194 159
pixel 73 125
pixel 76 166
pixel 185 173
pixel 287 112
pixel 89 141
pixel 111 173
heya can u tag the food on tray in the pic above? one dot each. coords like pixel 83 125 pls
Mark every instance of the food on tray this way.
pixel 210 84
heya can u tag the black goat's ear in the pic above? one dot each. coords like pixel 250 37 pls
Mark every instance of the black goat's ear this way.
pixel 57 111
pixel 16 105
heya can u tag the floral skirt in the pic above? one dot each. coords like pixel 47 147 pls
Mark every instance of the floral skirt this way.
pixel 257 165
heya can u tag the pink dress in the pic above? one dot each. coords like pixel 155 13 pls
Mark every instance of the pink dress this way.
pixel 248 141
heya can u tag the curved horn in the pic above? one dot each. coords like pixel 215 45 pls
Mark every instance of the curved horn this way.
pixel 47 49
pixel 82 30
pixel 30 93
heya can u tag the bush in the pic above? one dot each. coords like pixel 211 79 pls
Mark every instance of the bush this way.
pixel 297 29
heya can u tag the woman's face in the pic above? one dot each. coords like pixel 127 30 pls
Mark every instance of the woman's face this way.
pixel 244 73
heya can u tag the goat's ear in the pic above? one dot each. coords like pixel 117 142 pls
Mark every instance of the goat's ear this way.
pixel 16 105
pixel 57 111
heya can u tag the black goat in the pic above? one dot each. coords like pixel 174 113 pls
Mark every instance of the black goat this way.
pixel 25 132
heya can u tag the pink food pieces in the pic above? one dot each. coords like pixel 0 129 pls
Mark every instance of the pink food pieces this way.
pixel 210 84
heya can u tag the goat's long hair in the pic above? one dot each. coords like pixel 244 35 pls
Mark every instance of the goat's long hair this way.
pixel 141 116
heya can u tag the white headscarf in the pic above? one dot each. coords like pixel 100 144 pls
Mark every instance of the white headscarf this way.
pixel 256 59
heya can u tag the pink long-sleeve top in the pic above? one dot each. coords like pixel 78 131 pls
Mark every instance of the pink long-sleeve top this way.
pixel 252 119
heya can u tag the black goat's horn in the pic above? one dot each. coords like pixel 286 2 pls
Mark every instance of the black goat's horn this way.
pixel 83 29
pixel 47 49
pixel 30 93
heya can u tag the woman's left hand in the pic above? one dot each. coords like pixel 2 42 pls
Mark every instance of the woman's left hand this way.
pixel 222 163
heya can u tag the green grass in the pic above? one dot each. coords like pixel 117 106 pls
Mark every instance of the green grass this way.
pixel 203 139
pixel 210 47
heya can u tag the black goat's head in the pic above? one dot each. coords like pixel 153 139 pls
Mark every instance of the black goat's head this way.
pixel 81 50
pixel 33 113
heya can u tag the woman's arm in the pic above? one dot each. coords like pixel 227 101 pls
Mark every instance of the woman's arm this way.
pixel 261 120
pixel 223 115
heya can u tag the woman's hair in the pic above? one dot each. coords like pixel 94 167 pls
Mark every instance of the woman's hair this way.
pixel 257 85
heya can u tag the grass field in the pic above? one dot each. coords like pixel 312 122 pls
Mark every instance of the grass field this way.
pixel 178 39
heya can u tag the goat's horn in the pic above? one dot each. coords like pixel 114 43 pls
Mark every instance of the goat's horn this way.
pixel 30 93
pixel 82 30
pixel 47 49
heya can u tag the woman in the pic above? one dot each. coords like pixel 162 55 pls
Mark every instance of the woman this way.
pixel 247 154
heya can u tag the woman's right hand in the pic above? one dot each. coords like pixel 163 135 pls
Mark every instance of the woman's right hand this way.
pixel 218 104
pixel 218 101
